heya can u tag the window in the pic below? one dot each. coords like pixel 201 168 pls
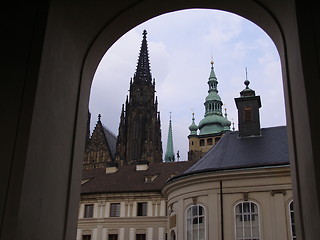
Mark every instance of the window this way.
pixel 112 236
pixel 202 142
pixel 209 141
pixel 292 222
pixel 88 211
pixel 196 223
pixel 142 209
pixel 115 210
pixel 86 237
pixel 247 221
pixel 140 237
pixel 217 139
pixel 248 114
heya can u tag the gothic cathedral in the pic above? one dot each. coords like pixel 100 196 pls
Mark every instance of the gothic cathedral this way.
pixel 139 138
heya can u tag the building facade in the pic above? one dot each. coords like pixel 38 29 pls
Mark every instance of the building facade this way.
pixel 241 189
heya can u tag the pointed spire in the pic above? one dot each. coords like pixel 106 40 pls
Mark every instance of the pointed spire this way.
pixel 169 157
pixel 143 73
pixel 99 117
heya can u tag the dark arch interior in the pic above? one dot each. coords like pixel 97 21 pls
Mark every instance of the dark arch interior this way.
pixel 46 95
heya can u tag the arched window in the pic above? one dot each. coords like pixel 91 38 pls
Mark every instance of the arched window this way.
pixel 292 222
pixel 173 235
pixel 196 223
pixel 247 221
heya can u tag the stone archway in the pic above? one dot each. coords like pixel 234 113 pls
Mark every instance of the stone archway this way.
pixel 47 92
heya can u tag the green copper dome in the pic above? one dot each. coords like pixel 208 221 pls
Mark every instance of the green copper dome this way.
pixel 214 122
pixel 213 96
pixel 193 127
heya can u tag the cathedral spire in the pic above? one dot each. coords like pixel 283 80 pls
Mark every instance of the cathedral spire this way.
pixel 169 157
pixel 143 73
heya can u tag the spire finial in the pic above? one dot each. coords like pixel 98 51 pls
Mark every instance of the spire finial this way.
pixel 247 82
pixel 144 33
pixel 99 117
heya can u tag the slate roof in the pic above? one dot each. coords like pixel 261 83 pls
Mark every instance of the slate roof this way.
pixel 232 152
pixel 111 140
pixel 127 179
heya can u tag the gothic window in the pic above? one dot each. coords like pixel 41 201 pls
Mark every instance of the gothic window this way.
pixel 142 209
pixel 202 142
pixel 248 114
pixel 173 235
pixel 196 225
pixel 115 210
pixel 247 221
pixel 88 211
pixel 292 222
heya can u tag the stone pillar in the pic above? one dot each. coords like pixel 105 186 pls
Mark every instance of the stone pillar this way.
pixel 131 234
pixel 150 233
pixel 94 234
pixel 79 234
pixel 161 233
pixel 122 209
pixel 107 210
pixel 180 219
pixel 149 208
pixel 104 234
pixel 134 209
pixel 81 211
pixel 162 208
pixel 280 215
pixel 95 210
pixel 121 234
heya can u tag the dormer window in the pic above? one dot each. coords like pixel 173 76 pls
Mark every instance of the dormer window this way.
pixel 150 178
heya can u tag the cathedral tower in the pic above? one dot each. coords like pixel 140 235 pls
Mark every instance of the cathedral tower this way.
pixel 139 138
pixel 212 126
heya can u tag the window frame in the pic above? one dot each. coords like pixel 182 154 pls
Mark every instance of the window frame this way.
pixel 291 214
pixel 235 214
pixel 142 214
pixel 204 215
pixel 117 211
pixel 85 215
pixel 141 235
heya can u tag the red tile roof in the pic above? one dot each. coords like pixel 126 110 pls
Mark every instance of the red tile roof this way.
pixel 128 179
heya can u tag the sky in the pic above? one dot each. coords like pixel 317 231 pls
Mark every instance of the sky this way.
pixel 181 46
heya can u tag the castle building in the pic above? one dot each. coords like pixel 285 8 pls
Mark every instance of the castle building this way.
pixel 139 138
pixel 212 127
pixel 241 189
